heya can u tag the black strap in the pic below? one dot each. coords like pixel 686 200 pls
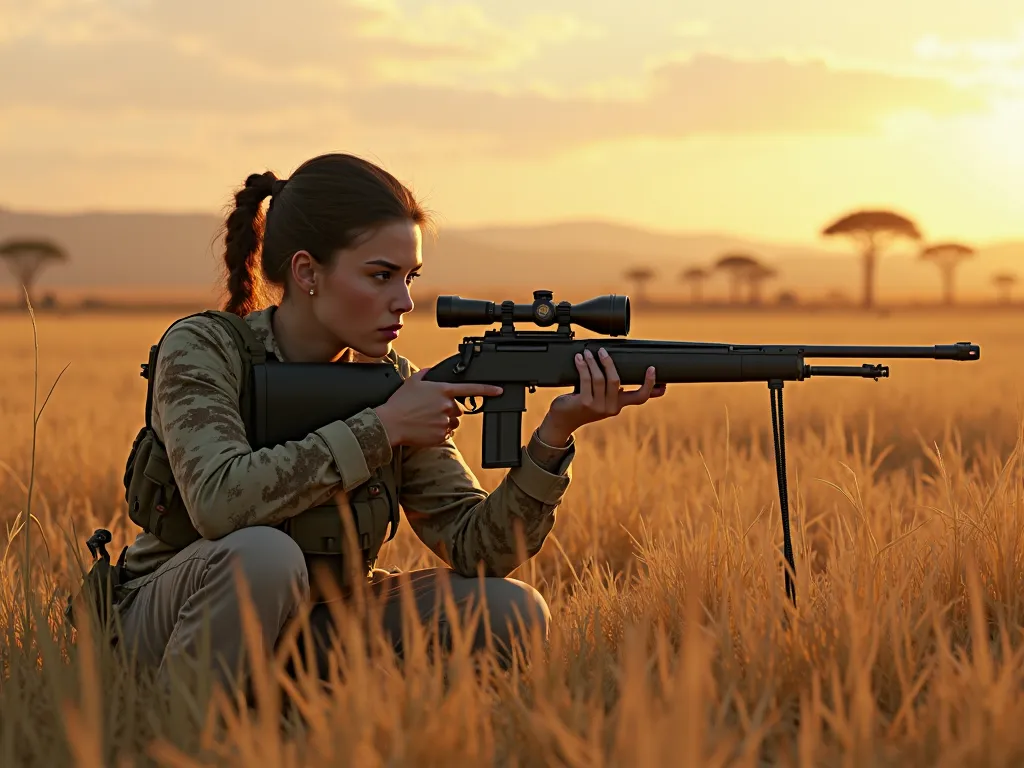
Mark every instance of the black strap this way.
pixel 149 369
pixel 243 335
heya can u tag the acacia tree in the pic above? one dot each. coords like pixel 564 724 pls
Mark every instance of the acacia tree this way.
pixel 640 276
pixel 738 267
pixel 872 231
pixel 695 277
pixel 947 257
pixel 26 258
pixel 1004 282
pixel 755 277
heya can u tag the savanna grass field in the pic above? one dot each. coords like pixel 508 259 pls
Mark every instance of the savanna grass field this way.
pixel 672 640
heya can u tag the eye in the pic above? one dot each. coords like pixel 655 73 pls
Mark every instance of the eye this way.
pixel 383 276
pixel 412 277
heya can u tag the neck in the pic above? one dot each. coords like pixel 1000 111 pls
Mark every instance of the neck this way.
pixel 300 338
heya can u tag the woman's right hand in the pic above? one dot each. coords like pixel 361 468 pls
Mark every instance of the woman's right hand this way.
pixel 424 413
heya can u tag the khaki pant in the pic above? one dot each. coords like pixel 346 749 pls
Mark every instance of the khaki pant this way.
pixel 164 616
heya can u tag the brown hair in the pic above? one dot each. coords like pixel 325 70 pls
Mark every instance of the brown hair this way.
pixel 328 203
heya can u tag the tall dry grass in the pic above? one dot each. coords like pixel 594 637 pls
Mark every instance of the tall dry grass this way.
pixel 672 641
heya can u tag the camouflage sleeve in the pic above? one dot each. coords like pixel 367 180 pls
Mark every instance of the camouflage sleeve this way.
pixel 225 484
pixel 464 525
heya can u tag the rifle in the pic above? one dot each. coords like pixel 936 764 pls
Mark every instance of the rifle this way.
pixel 523 360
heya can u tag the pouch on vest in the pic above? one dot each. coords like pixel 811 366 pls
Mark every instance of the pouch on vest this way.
pixel 154 501
pixel 321 530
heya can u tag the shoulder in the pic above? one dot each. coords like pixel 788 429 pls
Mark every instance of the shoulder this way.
pixel 198 335
pixel 198 346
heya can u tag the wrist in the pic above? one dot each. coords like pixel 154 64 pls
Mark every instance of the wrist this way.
pixel 553 434
pixel 390 428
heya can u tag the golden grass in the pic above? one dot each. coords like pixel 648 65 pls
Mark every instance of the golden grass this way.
pixel 672 642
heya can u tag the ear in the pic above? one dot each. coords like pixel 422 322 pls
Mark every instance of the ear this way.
pixel 304 270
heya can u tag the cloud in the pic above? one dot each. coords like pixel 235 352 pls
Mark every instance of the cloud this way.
pixel 498 46
pixel 934 48
pixel 993 62
pixel 286 74
pixel 707 94
pixel 246 56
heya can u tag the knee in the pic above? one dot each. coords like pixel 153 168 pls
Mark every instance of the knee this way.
pixel 268 559
pixel 516 609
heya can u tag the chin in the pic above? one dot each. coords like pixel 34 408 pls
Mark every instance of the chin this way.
pixel 376 350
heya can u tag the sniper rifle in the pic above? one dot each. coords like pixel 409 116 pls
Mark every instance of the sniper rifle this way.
pixel 523 360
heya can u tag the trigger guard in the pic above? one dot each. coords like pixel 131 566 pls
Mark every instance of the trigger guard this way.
pixel 472 399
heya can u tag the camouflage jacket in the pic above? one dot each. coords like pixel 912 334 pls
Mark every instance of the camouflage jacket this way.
pixel 226 485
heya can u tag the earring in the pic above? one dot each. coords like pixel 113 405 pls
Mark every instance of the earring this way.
pixel 310 291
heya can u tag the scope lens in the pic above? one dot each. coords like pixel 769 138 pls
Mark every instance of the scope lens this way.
pixel 608 315
pixel 453 311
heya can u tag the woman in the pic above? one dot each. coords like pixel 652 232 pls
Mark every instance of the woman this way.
pixel 342 241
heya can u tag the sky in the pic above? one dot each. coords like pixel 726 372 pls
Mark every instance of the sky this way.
pixel 761 119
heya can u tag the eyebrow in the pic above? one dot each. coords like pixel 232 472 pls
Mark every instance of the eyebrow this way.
pixel 389 265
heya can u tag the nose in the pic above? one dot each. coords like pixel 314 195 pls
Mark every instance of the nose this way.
pixel 403 302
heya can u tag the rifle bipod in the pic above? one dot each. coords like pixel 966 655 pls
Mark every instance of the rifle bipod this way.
pixel 779 429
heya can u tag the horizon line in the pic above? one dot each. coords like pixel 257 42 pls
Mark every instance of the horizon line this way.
pixel 736 234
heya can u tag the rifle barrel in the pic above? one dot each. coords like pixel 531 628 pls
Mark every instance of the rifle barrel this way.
pixel 961 351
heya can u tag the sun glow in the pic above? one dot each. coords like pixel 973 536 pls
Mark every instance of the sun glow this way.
pixel 1000 137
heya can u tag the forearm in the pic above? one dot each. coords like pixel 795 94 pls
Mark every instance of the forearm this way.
pixel 467 527
pixel 237 487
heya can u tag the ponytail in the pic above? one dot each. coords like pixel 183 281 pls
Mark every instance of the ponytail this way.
pixel 243 240
pixel 326 204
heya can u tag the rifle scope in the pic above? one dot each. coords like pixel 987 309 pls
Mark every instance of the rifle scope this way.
pixel 608 314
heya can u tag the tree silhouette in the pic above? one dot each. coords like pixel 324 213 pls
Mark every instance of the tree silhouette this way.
pixel 640 276
pixel 738 267
pixel 1004 282
pixel 755 277
pixel 26 258
pixel 695 276
pixel 947 256
pixel 787 298
pixel 872 231
pixel 743 269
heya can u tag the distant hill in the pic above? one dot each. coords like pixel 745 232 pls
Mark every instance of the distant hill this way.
pixel 182 252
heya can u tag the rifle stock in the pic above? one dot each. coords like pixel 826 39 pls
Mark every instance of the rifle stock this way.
pixel 294 399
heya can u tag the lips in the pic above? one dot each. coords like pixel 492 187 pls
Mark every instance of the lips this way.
pixel 392 328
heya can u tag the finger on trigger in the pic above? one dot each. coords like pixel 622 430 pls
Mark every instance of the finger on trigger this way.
pixel 470 389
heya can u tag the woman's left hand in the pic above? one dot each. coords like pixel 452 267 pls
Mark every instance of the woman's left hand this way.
pixel 601 396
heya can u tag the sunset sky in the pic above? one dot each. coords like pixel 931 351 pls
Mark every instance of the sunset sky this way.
pixel 757 118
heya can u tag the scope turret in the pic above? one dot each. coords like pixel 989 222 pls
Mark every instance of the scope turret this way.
pixel 608 314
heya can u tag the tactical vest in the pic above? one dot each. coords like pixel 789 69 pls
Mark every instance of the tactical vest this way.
pixel 155 504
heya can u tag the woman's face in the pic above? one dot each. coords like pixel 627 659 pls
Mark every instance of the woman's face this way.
pixel 361 298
